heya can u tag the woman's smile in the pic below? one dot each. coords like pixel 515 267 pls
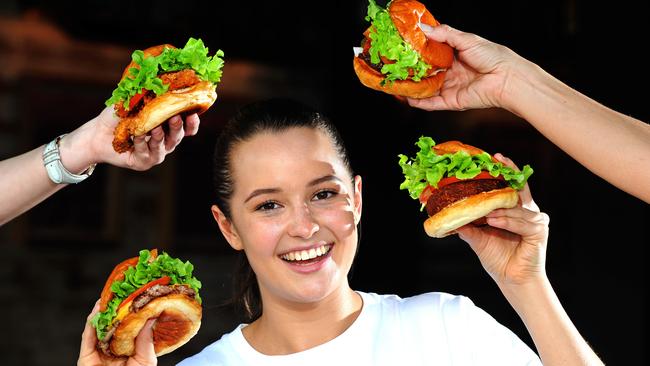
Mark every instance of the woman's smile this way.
pixel 308 260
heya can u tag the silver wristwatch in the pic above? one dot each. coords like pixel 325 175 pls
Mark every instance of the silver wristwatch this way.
pixel 55 169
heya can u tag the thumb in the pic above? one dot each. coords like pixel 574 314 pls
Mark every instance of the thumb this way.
pixel 145 353
pixel 453 37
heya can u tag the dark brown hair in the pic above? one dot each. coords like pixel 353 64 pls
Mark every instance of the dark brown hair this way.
pixel 272 115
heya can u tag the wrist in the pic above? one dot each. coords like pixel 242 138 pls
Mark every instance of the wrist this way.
pixel 523 79
pixel 76 150
pixel 519 295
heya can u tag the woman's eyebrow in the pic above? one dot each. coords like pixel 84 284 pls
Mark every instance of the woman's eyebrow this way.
pixel 312 183
pixel 261 191
pixel 326 178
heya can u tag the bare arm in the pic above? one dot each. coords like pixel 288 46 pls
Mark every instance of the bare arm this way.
pixel 24 181
pixel 486 74
pixel 512 249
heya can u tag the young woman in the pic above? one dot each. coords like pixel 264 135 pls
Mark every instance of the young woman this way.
pixel 288 199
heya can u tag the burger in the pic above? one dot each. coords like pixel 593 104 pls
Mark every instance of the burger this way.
pixel 161 82
pixel 459 184
pixel 395 55
pixel 150 286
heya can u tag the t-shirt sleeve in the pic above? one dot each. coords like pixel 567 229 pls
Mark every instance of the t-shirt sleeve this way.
pixel 487 341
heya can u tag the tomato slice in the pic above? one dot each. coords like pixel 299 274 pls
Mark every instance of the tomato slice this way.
pixel 427 192
pixel 161 281
pixel 117 275
pixel 135 99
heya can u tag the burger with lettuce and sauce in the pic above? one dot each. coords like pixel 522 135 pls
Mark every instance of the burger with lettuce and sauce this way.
pixel 459 184
pixel 149 286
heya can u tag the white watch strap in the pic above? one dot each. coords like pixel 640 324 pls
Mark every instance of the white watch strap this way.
pixel 55 169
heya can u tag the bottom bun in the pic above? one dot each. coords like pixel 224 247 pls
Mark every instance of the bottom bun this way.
pixel 467 210
pixel 194 99
pixel 425 88
pixel 178 319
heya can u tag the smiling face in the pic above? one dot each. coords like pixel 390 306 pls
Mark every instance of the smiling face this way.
pixel 294 211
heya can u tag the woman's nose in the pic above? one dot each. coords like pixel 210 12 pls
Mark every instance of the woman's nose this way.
pixel 303 224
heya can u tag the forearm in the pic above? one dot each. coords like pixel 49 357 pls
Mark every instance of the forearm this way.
pixel 24 184
pixel 557 340
pixel 24 181
pixel 581 127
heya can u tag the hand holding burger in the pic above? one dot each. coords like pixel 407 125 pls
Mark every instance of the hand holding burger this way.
pixel 148 287
pixel 396 57
pixel 161 82
pixel 459 184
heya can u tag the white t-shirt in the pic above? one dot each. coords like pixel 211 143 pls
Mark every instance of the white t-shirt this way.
pixel 428 329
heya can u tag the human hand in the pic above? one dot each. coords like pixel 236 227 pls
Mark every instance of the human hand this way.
pixel 92 143
pixel 145 354
pixel 512 248
pixel 478 76
pixel 148 150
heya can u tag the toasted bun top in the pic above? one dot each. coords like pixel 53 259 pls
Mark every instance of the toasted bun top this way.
pixel 407 15
pixel 151 51
pixel 451 147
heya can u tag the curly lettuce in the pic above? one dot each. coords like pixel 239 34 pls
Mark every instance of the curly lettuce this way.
pixel 194 55
pixel 428 168
pixel 387 42
pixel 145 271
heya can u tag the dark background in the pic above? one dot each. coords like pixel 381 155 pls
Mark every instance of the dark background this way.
pixel 60 61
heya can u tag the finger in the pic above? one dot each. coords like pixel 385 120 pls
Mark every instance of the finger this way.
pixel 427 104
pixel 140 146
pixel 520 225
pixel 89 336
pixel 175 134
pixel 453 37
pixel 516 212
pixel 155 145
pixel 108 117
pixel 145 353
pixel 192 123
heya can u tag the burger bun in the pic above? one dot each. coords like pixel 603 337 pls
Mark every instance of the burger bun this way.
pixel 467 210
pixel 194 99
pixel 178 318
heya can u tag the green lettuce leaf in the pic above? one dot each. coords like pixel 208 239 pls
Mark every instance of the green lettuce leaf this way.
pixel 387 42
pixel 194 55
pixel 428 168
pixel 144 272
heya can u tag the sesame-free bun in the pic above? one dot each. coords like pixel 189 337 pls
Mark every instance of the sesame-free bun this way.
pixel 467 210
pixel 425 88
pixel 407 15
pixel 178 318
pixel 194 99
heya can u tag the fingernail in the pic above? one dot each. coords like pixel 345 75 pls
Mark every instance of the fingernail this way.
pixel 425 27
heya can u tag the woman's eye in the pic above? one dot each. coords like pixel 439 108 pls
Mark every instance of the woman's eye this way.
pixel 322 195
pixel 267 206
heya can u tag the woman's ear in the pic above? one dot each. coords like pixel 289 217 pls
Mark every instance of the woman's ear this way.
pixel 357 199
pixel 227 228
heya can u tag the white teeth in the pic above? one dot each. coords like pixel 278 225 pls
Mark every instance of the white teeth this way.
pixel 302 255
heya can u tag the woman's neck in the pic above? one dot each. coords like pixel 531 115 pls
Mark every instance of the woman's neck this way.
pixel 286 328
